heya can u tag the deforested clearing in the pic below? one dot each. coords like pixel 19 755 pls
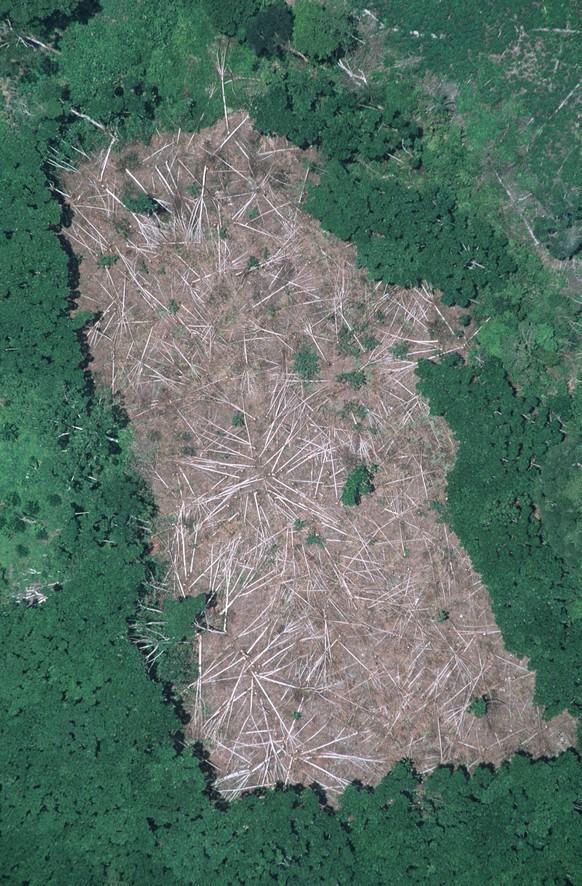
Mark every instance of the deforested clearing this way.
pixel 261 369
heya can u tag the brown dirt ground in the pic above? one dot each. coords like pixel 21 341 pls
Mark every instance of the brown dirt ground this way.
pixel 342 638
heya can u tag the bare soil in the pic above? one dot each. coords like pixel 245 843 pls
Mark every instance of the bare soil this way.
pixel 341 639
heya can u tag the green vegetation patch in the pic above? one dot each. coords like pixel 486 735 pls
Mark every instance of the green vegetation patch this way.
pixel 138 201
pixel 306 362
pixel 355 379
pixel 479 706
pixel 360 482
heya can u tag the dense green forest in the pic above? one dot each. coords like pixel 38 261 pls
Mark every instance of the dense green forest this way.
pixel 96 782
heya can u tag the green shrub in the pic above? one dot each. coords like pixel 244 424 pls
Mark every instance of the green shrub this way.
pixel 400 351
pixel 359 482
pixel 106 261
pixel 479 706
pixel 139 202
pixel 306 362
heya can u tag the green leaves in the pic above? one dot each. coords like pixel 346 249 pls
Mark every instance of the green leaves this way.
pixel 180 615
pixel 322 32
pixel 561 499
pixel 360 482
pixel 101 795
pixel 306 362
pixel 491 501
pixel 38 12
pixel 270 28
pixel 286 836
pixel 134 66
pixel 479 706
pixel 164 632
pixel 355 379
pixel 408 233
pixel 138 201
pixel 232 17
pixel 70 544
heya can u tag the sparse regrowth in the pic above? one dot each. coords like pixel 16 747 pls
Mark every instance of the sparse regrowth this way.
pixel 106 261
pixel 355 379
pixel 400 351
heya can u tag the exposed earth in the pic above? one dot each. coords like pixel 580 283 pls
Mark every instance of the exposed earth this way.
pixel 260 367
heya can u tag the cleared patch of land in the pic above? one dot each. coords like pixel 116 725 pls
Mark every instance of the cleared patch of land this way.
pixel 260 368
